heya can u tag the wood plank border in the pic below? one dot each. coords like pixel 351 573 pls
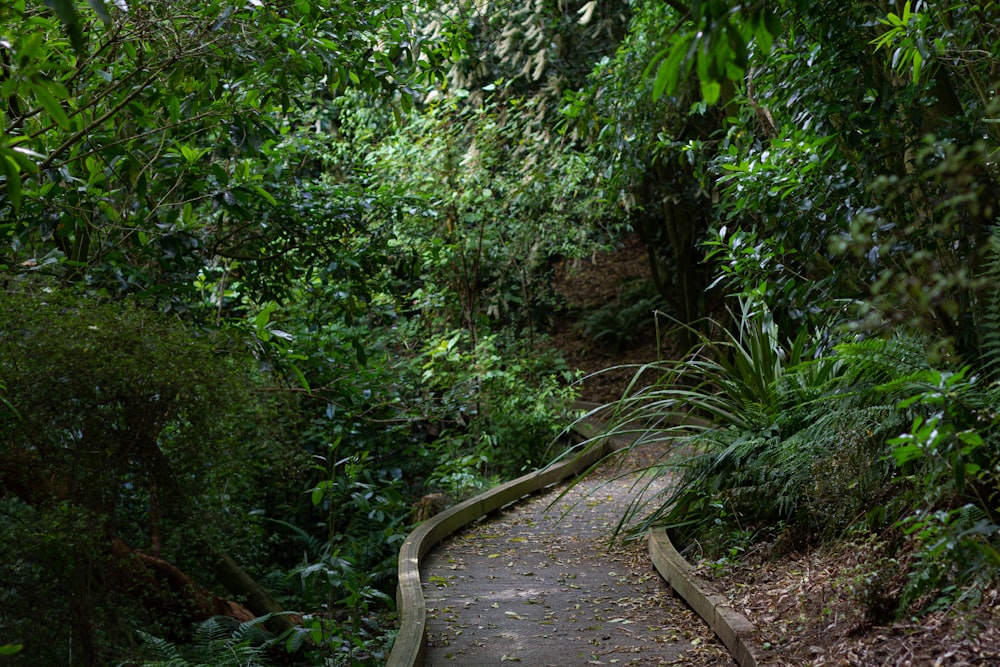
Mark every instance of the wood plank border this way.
pixel 737 633
pixel 410 645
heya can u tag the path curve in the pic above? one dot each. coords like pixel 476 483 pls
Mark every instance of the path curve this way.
pixel 411 644
pixel 408 649
pixel 541 585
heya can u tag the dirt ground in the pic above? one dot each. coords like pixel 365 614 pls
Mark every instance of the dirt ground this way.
pixel 586 285
pixel 811 607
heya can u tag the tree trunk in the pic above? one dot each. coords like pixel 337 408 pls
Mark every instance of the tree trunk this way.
pixel 259 601
pixel 165 588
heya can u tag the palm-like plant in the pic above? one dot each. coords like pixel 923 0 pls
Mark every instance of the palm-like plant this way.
pixel 753 434
pixel 753 428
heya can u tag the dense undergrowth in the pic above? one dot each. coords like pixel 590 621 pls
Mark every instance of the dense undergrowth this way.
pixel 783 440
pixel 147 446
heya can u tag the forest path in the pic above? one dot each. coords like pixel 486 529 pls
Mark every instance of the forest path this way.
pixel 540 583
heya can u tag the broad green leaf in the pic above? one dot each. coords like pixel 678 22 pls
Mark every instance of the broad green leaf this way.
pixel 13 174
pixel 173 105
pixel 765 40
pixel 970 438
pixel 904 455
pixel 66 12
pixel 918 61
pixel 663 79
pixel 303 382
pixel 710 91
pixel 670 70
pixel 101 10
pixel 51 105
pixel 265 194
pixel 264 317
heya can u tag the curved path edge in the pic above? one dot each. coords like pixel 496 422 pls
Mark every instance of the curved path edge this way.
pixel 410 645
pixel 735 631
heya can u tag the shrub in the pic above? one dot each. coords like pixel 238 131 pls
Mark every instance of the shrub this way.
pixel 131 432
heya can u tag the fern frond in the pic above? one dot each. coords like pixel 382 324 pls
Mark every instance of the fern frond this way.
pixel 167 654
pixel 217 642
pixel 987 311
pixel 879 361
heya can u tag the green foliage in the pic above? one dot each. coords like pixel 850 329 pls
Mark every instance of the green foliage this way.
pixel 166 150
pixel 132 432
pixel 952 450
pixel 366 522
pixel 907 29
pixel 848 178
pixel 217 642
pixel 543 49
pixel 288 171
pixel 143 386
pixel 260 169
pixel 487 206
pixel 656 153
pixel 390 407
pixel 791 439
pixel 816 447
pixel 714 43
pixel 791 189
pixel 622 321
pixel 956 561
pixel 519 405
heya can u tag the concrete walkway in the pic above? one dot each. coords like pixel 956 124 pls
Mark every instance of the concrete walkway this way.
pixel 540 584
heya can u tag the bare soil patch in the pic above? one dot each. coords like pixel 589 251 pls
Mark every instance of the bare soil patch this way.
pixel 590 284
pixel 816 608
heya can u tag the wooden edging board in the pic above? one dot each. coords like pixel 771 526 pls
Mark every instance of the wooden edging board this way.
pixel 737 633
pixel 410 645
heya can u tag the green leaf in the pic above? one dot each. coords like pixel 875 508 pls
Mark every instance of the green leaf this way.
pixel 665 79
pixel 669 71
pixel 66 13
pixel 710 91
pixel 101 10
pixel 263 318
pixel 904 455
pixel 265 194
pixel 918 61
pixel 10 649
pixel 51 105
pixel 772 22
pixel 765 40
pixel 173 105
pixel 13 174
pixel 303 382
pixel 970 438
